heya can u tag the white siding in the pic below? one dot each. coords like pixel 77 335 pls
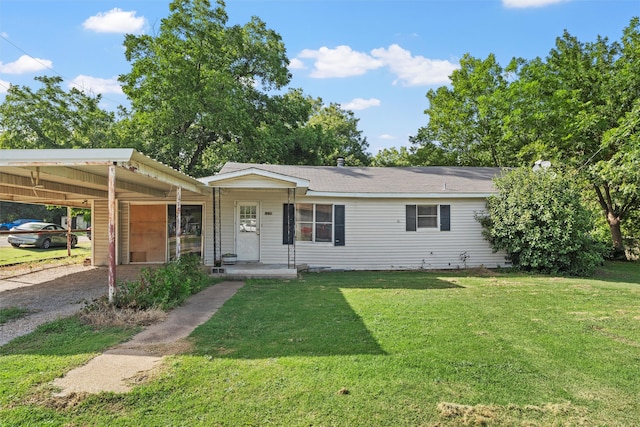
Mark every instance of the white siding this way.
pixel 375 236
pixel 99 232
pixel 207 231
pixel 123 233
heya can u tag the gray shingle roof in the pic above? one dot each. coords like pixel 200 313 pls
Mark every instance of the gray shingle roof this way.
pixel 406 180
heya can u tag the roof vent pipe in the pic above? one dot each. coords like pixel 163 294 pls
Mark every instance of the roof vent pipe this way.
pixel 340 162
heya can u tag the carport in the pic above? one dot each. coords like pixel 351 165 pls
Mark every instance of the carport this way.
pixel 96 179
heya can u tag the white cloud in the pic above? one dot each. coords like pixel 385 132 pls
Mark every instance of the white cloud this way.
pixel 96 85
pixel 521 4
pixel 361 104
pixel 414 70
pixel 296 64
pixel 116 21
pixel 25 64
pixel 340 62
pixel 410 70
pixel 387 137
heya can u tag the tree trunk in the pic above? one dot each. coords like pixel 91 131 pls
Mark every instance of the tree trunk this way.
pixel 614 220
pixel 616 236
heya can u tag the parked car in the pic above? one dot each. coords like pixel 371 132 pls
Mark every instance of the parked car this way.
pixel 9 225
pixel 41 234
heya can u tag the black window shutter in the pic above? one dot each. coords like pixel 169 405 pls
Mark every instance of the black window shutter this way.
pixel 445 217
pixel 339 225
pixel 288 224
pixel 411 218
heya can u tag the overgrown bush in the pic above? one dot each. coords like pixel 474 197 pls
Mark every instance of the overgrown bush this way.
pixel 163 287
pixel 537 217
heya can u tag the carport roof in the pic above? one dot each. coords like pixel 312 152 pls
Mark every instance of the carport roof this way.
pixel 72 177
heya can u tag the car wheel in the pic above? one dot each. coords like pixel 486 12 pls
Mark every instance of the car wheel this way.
pixel 46 244
pixel 15 245
pixel 74 242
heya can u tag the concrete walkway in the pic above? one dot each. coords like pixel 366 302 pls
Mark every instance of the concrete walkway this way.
pixel 116 369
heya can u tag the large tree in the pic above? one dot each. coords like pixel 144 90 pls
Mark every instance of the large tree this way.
pixel 588 94
pixel 300 130
pixel 200 83
pixel 339 136
pixel 51 117
pixel 577 107
pixel 465 120
pixel 203 92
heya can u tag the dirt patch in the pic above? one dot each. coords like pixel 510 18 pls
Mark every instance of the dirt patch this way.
pixel 530 415
pixel 106 315
pixel 52 293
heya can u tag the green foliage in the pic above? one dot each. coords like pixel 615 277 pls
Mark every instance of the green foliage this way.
pixel 10 211
pixel 425 154
pixel 300 130
pixel 199 84
pixel 577 107
pixel 11 313
pixel 339 136
pixel 52 118
pixel 537 217
pixel 204 92
pixel 465 119
pixel 163 287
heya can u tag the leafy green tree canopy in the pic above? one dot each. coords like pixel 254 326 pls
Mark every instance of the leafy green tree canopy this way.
pixel 204 92
pixel 53 118
pixel 538 219
pixel 577 107
pixel 199 83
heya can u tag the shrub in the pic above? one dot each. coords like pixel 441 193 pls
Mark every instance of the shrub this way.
pixel 164 287
pixel 537 217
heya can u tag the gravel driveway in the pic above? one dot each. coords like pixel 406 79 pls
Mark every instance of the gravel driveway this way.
pixel 53 293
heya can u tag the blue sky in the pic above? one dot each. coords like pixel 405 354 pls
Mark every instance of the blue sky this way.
pixel 376 57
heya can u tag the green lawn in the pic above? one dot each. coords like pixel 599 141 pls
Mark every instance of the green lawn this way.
pixel 29 254
pixel 369 349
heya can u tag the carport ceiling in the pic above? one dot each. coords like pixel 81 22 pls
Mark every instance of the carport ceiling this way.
pixel 69 177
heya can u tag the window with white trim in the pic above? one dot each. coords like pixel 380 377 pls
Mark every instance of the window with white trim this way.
pixel 314 222
pixel 428 217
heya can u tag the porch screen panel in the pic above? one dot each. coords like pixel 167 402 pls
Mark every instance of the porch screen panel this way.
pixel 147 233
pixel 191 227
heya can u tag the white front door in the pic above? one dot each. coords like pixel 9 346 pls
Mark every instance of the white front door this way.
pixel 248 231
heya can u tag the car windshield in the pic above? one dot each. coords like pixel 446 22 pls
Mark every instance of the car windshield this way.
pixel 31 226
